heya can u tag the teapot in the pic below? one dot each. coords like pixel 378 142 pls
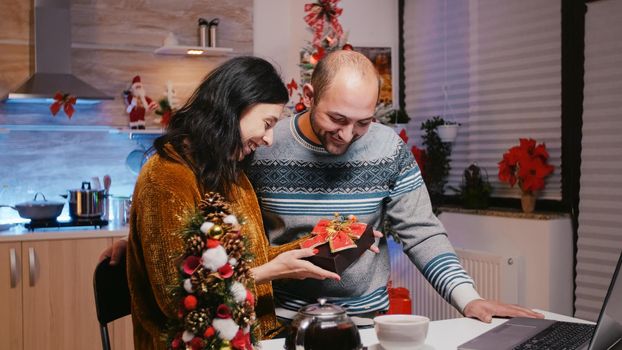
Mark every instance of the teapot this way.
pixel 322 326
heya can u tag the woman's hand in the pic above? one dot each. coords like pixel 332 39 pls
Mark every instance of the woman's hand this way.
pixel 290 265
pixel 116 252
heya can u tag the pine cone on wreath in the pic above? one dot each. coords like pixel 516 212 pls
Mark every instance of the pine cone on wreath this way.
pixel 203 281
pixel 233 244
pixel 214 203
pixel 194 245
pixel 243 315
pixel 196 321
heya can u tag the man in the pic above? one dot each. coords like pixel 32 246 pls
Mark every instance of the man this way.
pixel 332 158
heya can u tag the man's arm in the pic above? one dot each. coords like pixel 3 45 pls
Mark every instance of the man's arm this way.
pixel 425 241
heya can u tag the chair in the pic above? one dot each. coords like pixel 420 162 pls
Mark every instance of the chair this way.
pixel 112 296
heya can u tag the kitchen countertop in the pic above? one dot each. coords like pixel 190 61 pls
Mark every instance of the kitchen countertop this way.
pixel 19 233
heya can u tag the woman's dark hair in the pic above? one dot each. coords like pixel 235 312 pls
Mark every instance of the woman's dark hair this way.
pixel 205 132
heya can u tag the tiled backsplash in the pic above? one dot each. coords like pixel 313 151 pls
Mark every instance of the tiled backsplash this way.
pixel 53 162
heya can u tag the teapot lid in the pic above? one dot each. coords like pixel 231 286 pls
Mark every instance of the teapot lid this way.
pixel 322 309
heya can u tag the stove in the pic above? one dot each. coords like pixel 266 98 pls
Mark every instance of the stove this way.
pixel 53 223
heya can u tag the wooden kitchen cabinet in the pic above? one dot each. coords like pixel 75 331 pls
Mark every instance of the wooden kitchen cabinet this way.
pixel 58 301
pixel 10 296
pixel 47 302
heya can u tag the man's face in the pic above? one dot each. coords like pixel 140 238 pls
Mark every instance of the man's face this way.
pixel 345 110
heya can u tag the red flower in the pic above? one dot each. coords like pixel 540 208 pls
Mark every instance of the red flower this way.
pixel 241 341
pixel 191 263
pixel 223 311
pixel 527 165
pixel 225 271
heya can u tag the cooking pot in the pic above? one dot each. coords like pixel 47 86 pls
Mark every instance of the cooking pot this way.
pixel 322 326
pixel 86 203
pixel 38 209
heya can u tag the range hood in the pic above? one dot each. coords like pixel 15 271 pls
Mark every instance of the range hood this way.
pixel 52 39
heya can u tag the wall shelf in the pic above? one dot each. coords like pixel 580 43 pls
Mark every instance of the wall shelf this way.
pixel 193 51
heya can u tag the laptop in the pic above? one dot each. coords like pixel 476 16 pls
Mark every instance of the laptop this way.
pixel 529 333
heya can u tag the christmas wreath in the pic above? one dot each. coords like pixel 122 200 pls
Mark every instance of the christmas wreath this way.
pixel 216 307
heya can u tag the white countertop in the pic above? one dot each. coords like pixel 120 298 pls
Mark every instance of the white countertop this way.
pixel 19 233
pixel 442 335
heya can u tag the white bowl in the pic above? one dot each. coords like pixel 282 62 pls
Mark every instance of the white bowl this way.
pixel 401 331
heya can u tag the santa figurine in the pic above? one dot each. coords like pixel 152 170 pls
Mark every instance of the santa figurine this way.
pixel 138 104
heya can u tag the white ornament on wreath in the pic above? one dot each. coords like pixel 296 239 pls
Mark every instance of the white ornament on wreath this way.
pixel 214 258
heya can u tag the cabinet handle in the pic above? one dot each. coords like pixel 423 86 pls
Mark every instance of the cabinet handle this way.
pixel 32 266
pixel 13 264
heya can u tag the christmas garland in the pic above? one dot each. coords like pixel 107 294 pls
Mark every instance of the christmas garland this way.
pixel 216 306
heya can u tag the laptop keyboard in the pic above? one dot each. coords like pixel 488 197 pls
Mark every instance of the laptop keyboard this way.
pixel 559 336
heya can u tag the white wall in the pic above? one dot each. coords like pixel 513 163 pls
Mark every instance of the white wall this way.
pixel 280 31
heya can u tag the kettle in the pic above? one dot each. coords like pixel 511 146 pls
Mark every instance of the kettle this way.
pixel 322 326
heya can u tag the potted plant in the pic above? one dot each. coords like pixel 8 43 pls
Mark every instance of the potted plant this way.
pixel 475 189
pixel 448 131
pixel 395 117
pixel 437 159
pixel 526 164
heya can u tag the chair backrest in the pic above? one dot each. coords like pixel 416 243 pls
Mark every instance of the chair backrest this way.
pixel 112 295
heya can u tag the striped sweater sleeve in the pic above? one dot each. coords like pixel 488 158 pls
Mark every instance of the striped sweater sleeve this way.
pixel 423 236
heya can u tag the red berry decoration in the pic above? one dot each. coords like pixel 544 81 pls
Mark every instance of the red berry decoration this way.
pixel 209 332
pixel 348 47
pixel 300 107
pixel 190 302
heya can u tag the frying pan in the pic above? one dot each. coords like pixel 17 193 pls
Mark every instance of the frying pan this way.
pixel 38 209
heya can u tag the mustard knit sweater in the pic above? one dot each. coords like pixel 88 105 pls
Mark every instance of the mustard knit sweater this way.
pixel 166 193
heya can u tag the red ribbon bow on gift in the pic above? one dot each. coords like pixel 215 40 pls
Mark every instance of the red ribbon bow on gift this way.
pixel 339 233
pixel 315 17
pixel 63 100
pixel 291 87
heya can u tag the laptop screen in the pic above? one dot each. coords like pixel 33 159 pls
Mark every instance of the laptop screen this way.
pixel 609 327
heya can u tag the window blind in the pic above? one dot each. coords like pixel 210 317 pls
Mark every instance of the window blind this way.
pixel 600 238
pixel 495 68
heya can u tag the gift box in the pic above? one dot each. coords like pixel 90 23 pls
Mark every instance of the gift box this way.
pixel 339 242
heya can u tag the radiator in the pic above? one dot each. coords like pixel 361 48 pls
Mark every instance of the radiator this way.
pixel 496 278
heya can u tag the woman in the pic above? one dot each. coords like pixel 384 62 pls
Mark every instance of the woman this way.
pixel 230 114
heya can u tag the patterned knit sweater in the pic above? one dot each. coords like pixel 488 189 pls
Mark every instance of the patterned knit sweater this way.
pixel 298 182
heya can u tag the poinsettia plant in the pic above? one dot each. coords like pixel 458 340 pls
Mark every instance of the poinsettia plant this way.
pixel 527 165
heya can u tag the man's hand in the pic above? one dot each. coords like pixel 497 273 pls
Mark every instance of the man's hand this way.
pixel 116 251
pixel 484 310
pixel 374 248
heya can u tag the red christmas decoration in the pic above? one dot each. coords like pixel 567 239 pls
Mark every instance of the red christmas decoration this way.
pixel 525 164
pixel 226 271
pixel 291 87
pixel 300 107
pixel 348 47
pixel 338 233
pixel 209 332
pixel 64 100
pixel 317 13
pixel 190 302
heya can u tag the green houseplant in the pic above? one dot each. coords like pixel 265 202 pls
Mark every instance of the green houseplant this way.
pixel 475 188
pixel 437 165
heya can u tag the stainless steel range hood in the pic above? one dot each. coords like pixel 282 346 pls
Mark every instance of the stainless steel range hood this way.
pixel 52 39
